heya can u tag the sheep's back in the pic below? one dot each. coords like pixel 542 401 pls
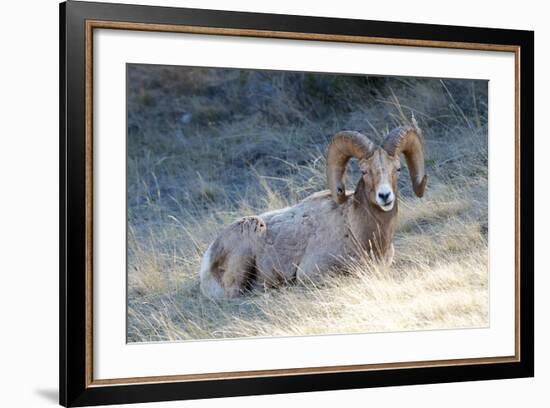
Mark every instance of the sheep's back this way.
pixel 314 225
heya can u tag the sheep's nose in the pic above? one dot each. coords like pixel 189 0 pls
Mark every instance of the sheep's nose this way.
pixel 384 196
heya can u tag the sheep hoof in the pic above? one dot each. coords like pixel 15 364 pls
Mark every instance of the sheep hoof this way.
pixel 253 225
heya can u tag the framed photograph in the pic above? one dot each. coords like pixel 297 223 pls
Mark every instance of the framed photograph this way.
pixel 256 204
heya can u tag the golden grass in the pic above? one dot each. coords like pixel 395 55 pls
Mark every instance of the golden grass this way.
pixel 439 280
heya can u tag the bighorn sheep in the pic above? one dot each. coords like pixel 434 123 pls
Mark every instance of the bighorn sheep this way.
pixel 324 230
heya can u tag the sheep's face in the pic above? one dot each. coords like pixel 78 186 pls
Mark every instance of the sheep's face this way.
pixel 380 172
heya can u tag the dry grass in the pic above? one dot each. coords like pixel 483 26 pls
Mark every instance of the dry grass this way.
pixel 181 191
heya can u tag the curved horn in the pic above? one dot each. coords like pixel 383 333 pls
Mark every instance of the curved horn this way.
pixel 344 145
pixel 408 140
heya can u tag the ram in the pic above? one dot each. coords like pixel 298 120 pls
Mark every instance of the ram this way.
pixel 325 230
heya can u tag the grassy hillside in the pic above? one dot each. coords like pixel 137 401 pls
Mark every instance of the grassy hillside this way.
pixel 207 146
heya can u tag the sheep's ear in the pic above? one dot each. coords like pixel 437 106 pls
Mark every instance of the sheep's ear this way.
pixel 363 166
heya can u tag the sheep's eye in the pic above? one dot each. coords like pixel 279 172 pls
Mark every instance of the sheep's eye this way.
pixel 398 169
pixel 363 172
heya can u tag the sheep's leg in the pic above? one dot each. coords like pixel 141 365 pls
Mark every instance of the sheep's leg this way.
pixel 227 275
pixel 389 255
pixel 312 268
pixel 240 270
pixel 241 266
pixel 230 264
